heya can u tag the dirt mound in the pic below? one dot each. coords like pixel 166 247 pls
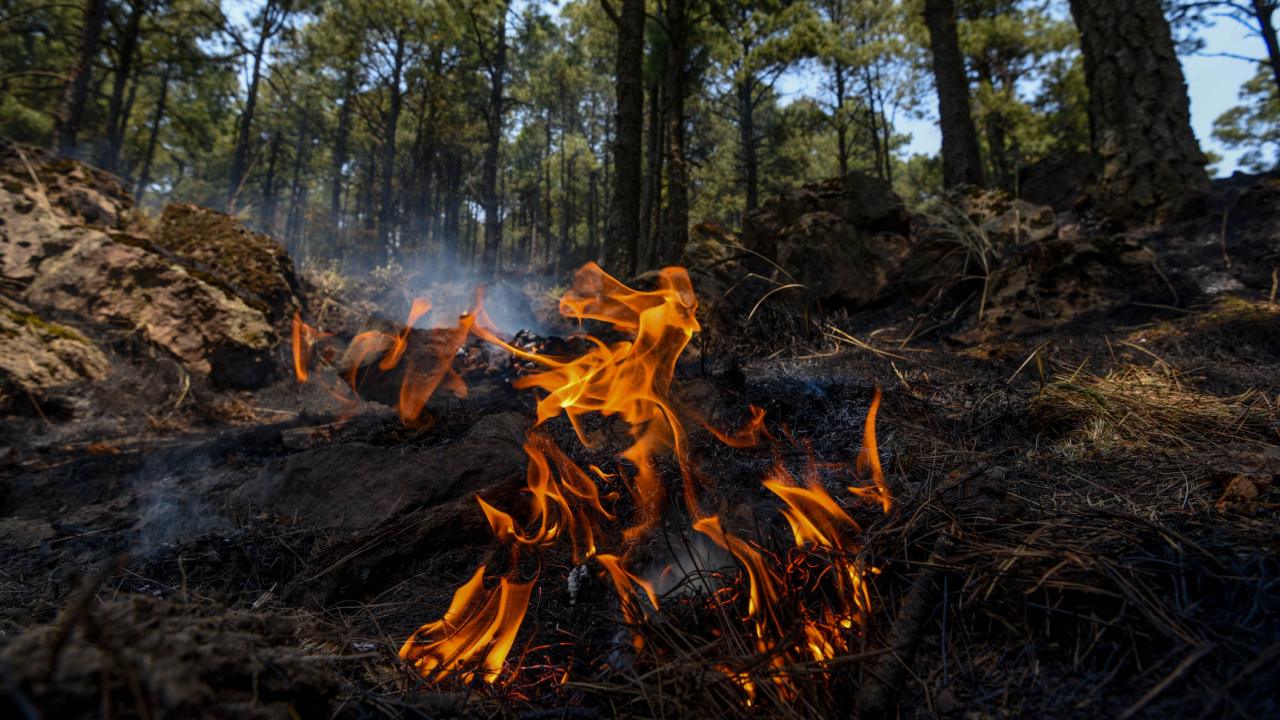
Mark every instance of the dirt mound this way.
pixel 143 657
pixel 1048 284
pixel 256 267
pixel 356 485
pixel 840 239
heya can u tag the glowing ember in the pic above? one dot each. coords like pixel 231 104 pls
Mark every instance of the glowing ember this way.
pixel 804 607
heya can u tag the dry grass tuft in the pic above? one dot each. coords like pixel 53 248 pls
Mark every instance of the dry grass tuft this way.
pixel 1133 409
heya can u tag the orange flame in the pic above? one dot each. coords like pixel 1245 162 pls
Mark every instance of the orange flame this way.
pixel 869 460
pixel 476 632
pixel 304 338
pixel 819 589
pixel 628 378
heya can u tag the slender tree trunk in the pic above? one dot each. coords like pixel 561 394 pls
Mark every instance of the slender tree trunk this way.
pixel 651 200
pixel 622 236
pixel 298 191
pixel 842 126
pixel 747 138
pixel 493 123
pixel 1139 116
pixel 1263 11
pixel 961 161
pixel 453 210
pixel 153 137
pixel 546 232
pixel 873 122
pixel 341 136
pixel 116 114
pixel 267 213
pixel 386 210
pixel 240 155
pixel 76 91
pixel 676 225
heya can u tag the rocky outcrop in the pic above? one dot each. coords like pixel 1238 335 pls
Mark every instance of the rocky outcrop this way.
pixel 70 244
pixel 1044 286
pixel 110 282
pixel 841 239
pixel 255 267
pixel 41 361
pixel 963 237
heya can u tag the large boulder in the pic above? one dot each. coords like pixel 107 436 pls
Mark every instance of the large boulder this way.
pixel 41 361
pixel 841 238
pixel 962 237
pixel 111 282
pixel 70 245
pixel 253 265
pixel 1044 286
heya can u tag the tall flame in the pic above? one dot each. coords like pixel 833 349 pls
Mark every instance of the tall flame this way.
pixel 806 606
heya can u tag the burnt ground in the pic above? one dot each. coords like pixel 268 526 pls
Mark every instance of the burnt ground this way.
pixel 1085 520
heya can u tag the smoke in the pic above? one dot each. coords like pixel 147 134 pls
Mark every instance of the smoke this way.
pixel 170 491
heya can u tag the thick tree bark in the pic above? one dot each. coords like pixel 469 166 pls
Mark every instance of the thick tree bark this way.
pixel 489 180
pixel 961 161
pixel 1139 117
pixel 622 236
pixel 117 114
pixel 676 221
pixel 76 91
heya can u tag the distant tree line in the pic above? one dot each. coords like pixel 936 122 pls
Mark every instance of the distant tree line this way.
pixel 499 135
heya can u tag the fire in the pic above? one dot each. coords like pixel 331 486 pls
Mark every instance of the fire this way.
pixel 418 383
pixel 805 605
pixel 628 378
pixel 475 634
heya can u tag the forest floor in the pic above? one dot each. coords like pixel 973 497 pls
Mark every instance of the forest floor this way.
pixel 1085 522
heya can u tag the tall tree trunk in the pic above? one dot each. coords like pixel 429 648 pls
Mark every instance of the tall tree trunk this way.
pixel 593 238
pixel 240 155
pixel 342 134
pixel 267 213
pixel 117 117
pixel 1263 11
pixel 842 126
pixel 651 200
pixel 76 91
pixel 676 221
pixel 453 209
pixel 298 190
pixel 387 205
pixel 493 124
pixel 961 161
pixel 153 137
pixel 622 236
pixel 747 138
pixel 546 231
pixel 1139 117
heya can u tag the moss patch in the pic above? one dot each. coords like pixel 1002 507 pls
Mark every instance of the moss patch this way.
pixel 46 328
